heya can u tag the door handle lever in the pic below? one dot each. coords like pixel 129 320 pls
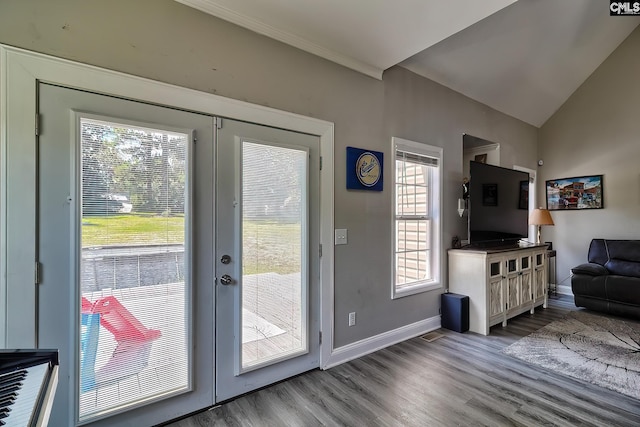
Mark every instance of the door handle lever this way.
pixel 227 280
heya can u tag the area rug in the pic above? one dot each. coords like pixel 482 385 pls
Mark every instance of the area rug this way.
pixel 601 350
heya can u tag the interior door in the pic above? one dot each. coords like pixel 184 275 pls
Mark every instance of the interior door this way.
pixel 267 292
pixel 126 287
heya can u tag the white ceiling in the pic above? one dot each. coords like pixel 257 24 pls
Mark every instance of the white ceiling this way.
pixel 523 58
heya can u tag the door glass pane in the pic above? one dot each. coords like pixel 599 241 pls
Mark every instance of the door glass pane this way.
pixel 274 247
pixel 134 330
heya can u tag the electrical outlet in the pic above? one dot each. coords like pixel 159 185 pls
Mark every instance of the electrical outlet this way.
pixel 352 318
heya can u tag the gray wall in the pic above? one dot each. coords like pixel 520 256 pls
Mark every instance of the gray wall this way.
pixel 596 132
pixel 166 41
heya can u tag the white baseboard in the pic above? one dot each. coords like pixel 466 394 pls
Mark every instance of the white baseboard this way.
pixel 565 290
pixel 369 345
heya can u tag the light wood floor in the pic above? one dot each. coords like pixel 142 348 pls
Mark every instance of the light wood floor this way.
pixel 457 380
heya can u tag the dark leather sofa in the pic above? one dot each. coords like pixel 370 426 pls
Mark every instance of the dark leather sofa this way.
pixel 610 281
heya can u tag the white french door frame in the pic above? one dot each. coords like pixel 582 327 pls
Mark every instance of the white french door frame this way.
pixel 20 70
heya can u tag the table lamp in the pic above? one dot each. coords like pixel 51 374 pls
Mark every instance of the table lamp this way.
pixel 540 217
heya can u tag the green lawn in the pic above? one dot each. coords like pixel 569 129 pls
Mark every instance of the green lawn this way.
pixel 268 246
pixel 131 229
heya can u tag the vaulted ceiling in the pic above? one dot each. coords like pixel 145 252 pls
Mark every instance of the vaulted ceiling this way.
pixel 523 58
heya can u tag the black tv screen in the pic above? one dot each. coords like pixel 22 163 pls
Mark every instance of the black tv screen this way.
pixel 498 205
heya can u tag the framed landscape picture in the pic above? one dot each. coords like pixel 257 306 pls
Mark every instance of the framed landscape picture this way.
pixel 584 192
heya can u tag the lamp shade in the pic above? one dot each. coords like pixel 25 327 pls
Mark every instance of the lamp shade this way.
pixel 540 217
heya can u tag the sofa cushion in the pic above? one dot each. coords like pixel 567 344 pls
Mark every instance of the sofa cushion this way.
pixel 620 257
pixel 591 269
pixel 615 308
pixel 628 250
pixel 620 267
pixel 624 257
pixel 591 286
pixel 623 289
pixel 598 252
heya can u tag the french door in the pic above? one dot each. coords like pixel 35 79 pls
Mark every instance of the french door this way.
pixel 179 266
pixel 127 285
pixel 267 246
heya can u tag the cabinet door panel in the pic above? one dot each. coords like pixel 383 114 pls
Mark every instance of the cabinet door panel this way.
pixel 527 291
pixel 513 292
pixel 539 283
pixel 496 297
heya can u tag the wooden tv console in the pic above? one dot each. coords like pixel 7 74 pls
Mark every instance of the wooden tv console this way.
pixel 501 282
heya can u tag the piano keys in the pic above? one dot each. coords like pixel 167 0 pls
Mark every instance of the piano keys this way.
pixel 28 380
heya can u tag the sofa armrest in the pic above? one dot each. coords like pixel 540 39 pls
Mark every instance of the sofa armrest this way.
pixel 590 269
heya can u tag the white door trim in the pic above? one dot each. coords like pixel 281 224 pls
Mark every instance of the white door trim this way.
pixel 532 197
pixel 19 72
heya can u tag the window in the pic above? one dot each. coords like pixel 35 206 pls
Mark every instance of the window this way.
pixel 417 206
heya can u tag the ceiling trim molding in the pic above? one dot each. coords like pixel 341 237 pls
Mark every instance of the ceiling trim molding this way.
pixel 259 27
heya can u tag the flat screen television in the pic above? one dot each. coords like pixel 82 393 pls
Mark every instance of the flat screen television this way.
pixel 498 205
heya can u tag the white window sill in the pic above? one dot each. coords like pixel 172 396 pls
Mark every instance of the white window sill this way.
pixel 415 289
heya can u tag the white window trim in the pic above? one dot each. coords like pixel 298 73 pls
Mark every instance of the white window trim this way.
pixel 437 250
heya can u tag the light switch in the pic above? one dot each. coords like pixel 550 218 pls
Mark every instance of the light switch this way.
pixel 341 236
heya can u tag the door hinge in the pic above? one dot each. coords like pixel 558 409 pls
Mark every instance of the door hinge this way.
pixel 38 273
pixel 37 124
pixel 320 250
pixel 195 137
pixel 218 122
pixel 320 162
pixel 320 337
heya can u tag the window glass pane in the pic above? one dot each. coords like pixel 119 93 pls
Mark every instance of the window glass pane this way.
pixel 400 269
pixel 133 343
pixel 274 235
pixel 412 189
pixel 400 199
pixel 412 243
pixel 400 236
pixel 424 241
